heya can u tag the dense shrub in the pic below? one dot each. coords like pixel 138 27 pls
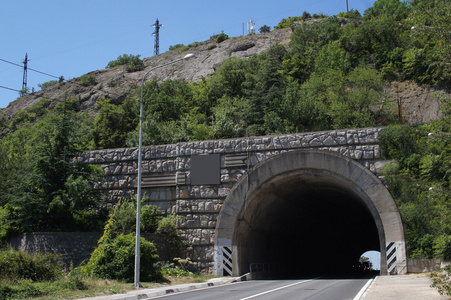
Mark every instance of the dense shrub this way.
pixel 401 142
pixel 264 29
pixel 135 64
pixel 179 268
pixel 16 265
pixel 132 62
pixel 47 84
pixel 220 37
pixel 441 280
pixel 287 22
pixel 113 123
pixel 419 180
pixel 114 259
pixel 167 227
pixel 125 218
pixel 176 46
pixel 88 80
pixel 21 289
pixel 30 114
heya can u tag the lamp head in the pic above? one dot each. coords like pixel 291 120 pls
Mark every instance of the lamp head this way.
pixel 188 56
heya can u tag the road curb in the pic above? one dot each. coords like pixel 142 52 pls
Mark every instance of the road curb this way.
pixel 142 294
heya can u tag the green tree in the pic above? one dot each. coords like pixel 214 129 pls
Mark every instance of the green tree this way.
pixel 228 118
pixel 264 89
pixel 353 15
pixel 265 29
pixel 303 111
pixel 374 41
pixel 45 189
pixel 228 80
pixel 388 8
pixel 306 15
pixel 166 101
pixel 419 180
pixel 332 57
pixel 364 89
pixel 306 43
pixel 430 35
pixel 114 122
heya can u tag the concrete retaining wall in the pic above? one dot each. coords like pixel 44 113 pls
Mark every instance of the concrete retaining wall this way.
pixel 76 247
pixel 423 265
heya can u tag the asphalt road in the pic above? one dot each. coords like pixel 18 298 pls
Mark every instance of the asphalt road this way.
pixel 312 289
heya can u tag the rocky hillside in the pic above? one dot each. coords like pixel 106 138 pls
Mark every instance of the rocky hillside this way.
pixel 116 83
pixel 418 104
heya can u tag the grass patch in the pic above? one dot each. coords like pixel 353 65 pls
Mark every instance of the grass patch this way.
pixel 65 289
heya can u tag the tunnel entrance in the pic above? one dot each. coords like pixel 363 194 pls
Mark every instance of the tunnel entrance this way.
pixel 305 224
pixel 306 213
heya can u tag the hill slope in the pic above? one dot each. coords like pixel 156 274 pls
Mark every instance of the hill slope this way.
pixel 116 83
pixel 419 104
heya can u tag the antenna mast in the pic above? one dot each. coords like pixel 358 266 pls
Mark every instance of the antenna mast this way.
pixel 157 26
pixel 251 26
pixel 24 81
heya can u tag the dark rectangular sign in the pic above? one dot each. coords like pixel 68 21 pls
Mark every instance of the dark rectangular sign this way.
pixel 205 169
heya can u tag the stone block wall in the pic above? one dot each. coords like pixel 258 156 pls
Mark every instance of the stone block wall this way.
pixel 74 246
pixel 166 173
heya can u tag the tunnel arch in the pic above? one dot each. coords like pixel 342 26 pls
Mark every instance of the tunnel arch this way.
pixel 299 207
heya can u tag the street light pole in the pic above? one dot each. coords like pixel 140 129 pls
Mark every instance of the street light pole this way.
pixel 138 206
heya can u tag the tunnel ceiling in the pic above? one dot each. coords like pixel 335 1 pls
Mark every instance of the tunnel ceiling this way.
pixel 310 220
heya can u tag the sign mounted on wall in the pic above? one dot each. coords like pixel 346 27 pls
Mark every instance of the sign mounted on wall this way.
pixel 205 169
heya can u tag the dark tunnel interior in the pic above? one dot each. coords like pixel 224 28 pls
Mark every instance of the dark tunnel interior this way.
pixel 305 225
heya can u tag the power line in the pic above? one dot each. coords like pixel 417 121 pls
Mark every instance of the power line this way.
pixel 25 68
pixel 4 87
pixel 11 63
pixel 29 69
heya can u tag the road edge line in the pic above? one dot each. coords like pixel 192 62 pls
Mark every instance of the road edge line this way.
pixel 366 287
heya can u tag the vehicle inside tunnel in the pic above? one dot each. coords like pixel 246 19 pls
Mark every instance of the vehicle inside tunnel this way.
pixel 305 225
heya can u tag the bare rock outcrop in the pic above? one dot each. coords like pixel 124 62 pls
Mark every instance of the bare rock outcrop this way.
pixel 116 83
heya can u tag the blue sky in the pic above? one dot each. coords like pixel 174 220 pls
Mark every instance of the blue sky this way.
pixel 71 38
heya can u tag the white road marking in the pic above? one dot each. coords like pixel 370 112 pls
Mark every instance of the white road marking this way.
pixel 363 290
pixel 279 288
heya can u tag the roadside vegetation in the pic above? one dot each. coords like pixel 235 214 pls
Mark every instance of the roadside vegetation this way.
pixel 43 276
pixel 332 75
pixel 111 266
pixel 419 179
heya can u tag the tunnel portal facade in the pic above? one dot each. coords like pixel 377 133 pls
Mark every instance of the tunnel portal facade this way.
pixel 308 201
pixel 308 212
